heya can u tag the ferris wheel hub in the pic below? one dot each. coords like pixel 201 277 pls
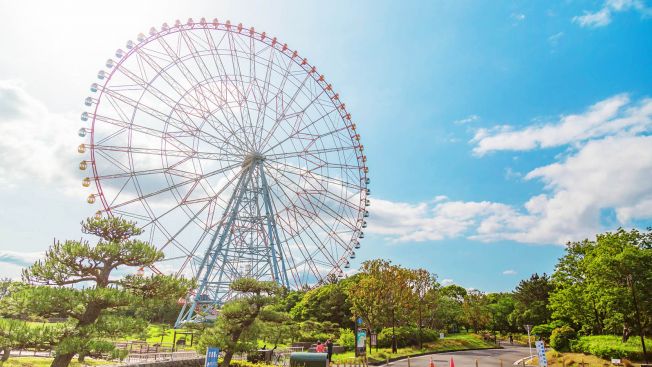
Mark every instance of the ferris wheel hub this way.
pixel 251 158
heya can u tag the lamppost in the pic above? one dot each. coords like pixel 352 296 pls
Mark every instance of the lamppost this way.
pixel 529 343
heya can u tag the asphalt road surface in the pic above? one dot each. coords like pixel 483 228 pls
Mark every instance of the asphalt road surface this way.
pixel 485 358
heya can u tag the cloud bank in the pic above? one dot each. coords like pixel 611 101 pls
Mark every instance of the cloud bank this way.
pixel 607 168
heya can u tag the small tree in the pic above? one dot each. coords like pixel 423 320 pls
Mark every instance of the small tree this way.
pixel 91 308
pixel 235 330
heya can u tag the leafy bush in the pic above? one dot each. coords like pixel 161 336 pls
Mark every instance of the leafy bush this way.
pixel 346 339
pixel 561 338
pixel 243 363
pixel 312 331
pixel 405 336
pixel 609 346
pixel 545 330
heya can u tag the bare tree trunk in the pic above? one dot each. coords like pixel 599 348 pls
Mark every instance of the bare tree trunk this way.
pixel 62 360
pixel 5 354
pixel 228 355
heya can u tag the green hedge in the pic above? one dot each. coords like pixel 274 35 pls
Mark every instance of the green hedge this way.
pixel 406 336
pixel 610 346
pixel 562 337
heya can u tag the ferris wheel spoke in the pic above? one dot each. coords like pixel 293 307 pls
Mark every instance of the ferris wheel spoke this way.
pixel 112 160
pixel 187 73
pixel 177 87
pixel 219 65
pixel 312 152
pixel 147 172
pixel 129 214
pixel 156 92
pixel 235 60
pixel 279 93
pixel 304 251
pixel 175 186
pixel 296 133
pixel 164 118
pixel 186 110
pixel 284 110
pixel 262 99
pixel 294 170
pixel 320 205
pixel 168 152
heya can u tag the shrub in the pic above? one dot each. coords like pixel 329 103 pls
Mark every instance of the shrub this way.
pixel 609 346
pixel 545 330
pixel 561 338
pixel 405 336
pixel 346 339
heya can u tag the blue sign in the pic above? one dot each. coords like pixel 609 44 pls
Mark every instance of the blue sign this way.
pixel 359 320
pixel 212 354
pixel 361 338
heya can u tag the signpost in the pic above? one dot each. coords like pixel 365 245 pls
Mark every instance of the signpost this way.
pixel 360 338
pixel 212 354
pixel 529 343
pixel 374 339
pixel 541 353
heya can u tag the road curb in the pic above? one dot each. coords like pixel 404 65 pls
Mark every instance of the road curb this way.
pixel 383 363
pixel 522 359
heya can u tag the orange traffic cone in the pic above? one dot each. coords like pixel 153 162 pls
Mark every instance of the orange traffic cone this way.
pixel 452 363
pixel 432 363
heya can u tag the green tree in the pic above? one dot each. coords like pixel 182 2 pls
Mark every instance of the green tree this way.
pixel 571 300
pixel 382 295
pixel 531 297
pixel 501 305
pixel 476 311
pixel 449 313
pixel 424 293
pixel 235 329
pixel 328 302
pixel 605 285
pixel 11 331
pixel 91 309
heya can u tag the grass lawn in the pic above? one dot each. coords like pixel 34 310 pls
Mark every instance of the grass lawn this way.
pixel 45 362
pixel 449 343
pixel 156 334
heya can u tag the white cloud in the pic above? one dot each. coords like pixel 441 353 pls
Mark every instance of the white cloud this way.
pixel 608 166
pixel 603 16
pixel 447 281
pixel 615 115
pixel 519 17
pixel 12 262
pixel 437 220
pixel 509 272
pixel 37 146
pixel 553 40
pixel 466 120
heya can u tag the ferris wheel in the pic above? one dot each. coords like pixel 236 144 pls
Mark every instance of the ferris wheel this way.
pixel 234 153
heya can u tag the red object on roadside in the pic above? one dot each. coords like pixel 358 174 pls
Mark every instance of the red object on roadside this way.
pixel 432 363
pixel 452 363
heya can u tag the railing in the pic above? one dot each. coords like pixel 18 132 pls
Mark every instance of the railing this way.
pixel 133 358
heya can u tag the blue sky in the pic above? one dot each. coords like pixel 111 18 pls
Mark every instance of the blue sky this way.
pixel 495 131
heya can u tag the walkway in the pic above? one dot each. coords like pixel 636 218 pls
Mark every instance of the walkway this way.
pixel 485 358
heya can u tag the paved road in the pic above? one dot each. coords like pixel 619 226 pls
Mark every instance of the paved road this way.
pixel 486 358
